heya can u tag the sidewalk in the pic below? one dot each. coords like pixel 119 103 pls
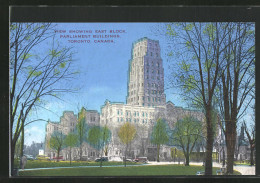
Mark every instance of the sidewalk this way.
pixel 243 169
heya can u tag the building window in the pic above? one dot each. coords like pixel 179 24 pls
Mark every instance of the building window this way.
pixel 117 119
pixel 151 53
pixel 137 113
pixel 122 119
pixel 118 112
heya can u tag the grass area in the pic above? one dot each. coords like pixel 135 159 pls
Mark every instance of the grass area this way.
pixel 246 162
pixel 45 164
pixel 151 170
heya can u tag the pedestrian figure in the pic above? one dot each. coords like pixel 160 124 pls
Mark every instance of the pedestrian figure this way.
pixel 24 161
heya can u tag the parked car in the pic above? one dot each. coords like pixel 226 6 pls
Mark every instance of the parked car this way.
pixel 200 173
pixel 101 159
pixel 141 159
pixel 128 159
pixel 30 157
pixel 115 158
pixel 58 158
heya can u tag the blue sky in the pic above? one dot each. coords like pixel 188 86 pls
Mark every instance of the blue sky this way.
pixel 103 72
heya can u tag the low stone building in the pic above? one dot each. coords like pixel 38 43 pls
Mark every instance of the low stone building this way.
pixel 66 125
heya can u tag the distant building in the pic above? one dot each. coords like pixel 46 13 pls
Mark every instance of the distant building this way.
pixel 145 103
pixel 33 149
pixel 66 125
pixel 41 152
pixel 146 74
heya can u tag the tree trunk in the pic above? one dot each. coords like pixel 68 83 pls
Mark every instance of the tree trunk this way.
pixel 80 152
pixel 12 159
pixel 70 155
pixel 58 155
pixel 22 145
pixel 230 141
pixel 101 158
pixel 187 163
pixel 158 152
pixel 125 155
pixel 209 141
pixel 251 155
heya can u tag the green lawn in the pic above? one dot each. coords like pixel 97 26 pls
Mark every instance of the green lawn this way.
pixel 44 164
pixel 148 170
pixel 242 162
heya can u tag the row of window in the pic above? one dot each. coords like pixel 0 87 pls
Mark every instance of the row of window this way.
pixel 92 118
pixel 148 99
pixel 151 54
pixel 132 86
pixel 153 77
pixel 135 120
pixel 135 113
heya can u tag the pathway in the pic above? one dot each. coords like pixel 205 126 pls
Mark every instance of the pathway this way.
pixel 243 169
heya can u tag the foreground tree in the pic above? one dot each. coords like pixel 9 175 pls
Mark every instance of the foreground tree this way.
pixel 200 46
pixel 35 73
pixel 250 133
pixel 99 137
pixel 186 134
pixel 70 141
pixel 81 129
pixel 56 142
pixel 160 135
pixel 126 134
pixel 237 81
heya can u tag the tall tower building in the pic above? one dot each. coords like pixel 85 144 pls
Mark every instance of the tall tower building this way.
pixel 146 74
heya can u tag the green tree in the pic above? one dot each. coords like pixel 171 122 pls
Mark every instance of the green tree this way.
pixel 70 141
pixel 186 134
pixel 99 137
pixel 200 46
pixel 35 74
pixel 250 133
pixel 160 135
pixel 126 134
pixel 56 142
pixel 81 129
pixel 237 81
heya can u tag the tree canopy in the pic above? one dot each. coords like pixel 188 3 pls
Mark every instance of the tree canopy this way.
pixel 186 134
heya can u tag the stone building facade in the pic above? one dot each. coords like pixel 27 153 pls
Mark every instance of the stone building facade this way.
pixel 66 125
pixel 146 74
pixel 145 103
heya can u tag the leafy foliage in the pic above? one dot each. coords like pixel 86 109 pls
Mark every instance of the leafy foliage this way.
pixel 71 140
pixel 127 133
pixel 160 133
pixel 99 137
pixel 56 141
